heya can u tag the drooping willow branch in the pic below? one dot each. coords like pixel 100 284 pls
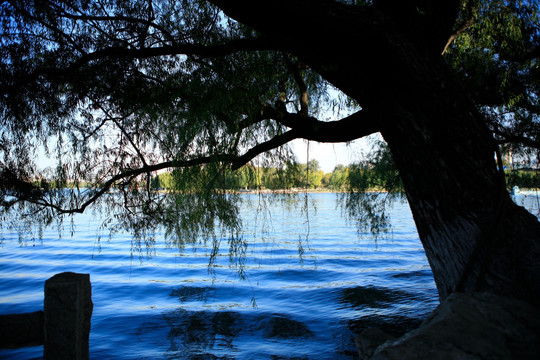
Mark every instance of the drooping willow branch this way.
pixel 115 18
pixel 113 52
pixel 350 128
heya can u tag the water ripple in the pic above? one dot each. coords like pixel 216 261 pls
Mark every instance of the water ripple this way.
pixel 172 305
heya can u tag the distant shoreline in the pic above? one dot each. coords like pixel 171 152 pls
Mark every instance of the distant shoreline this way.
pixel 287 191
pixel 522 191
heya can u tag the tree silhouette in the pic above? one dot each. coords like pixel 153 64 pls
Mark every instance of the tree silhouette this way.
pixel 118 90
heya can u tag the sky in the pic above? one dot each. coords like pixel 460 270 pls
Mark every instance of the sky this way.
pixel 330 155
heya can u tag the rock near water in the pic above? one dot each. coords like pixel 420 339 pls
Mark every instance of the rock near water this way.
pixel 478 326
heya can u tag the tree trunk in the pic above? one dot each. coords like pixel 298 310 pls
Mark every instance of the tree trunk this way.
pixel 474 236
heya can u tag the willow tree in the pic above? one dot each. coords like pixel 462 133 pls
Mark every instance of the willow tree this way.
pixel 116 90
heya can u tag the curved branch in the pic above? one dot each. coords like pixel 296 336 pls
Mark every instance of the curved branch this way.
pixel 148 23
pixel 114 52
pixel 460 30
pixel 231 47
pixel 506 137
pixel 516 139
pixel 48 26
pixel 464 25
pixel 274 143
pixel 302 87
pixel 355 126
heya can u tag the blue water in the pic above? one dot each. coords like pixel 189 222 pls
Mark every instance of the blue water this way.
pixel 312 280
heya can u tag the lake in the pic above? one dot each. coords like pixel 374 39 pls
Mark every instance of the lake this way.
pixel 312 281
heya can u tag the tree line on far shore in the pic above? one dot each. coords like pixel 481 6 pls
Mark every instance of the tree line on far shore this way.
pixel 527 179
pixel 378 175
pixel 249 177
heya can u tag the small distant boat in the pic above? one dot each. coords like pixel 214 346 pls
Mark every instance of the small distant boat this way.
pixel 515 190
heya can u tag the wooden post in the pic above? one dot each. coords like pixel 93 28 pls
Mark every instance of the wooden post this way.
pixel 67 312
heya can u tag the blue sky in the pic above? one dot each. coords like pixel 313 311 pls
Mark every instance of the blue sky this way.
pixel 330 155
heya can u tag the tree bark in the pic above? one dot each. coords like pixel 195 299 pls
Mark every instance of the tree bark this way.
pixel 474 236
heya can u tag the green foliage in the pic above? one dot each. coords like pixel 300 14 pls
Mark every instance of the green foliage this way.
pixel 523 179
pixel 116 115
pixel 308 175
pixel 339 178
pixel 496 58
pixel 113 93
pixel 376 174
pixel 373 185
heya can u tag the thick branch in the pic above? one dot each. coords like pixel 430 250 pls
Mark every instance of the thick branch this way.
pixel 355 126
pixel 304 100
pixel 507 138
pixel 145 22
pixel 274 143
pixel 350 128
pixel 224 49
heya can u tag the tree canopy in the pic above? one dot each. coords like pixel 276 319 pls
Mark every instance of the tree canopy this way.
pixel 496 57
pixel 115 90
